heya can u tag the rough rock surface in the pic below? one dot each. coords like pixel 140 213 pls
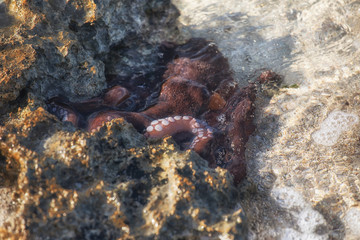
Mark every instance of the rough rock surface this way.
pixel 59 47
pixel 108 185
pixel 57 182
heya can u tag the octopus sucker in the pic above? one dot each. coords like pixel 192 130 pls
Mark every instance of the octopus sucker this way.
pixel 181 124
pixel 196 96
pixel 64 113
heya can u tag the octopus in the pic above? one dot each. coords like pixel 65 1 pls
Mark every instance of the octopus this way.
pixel 195 100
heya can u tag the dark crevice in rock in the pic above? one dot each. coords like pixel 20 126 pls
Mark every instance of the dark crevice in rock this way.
pixel 9 171
pixel 6 20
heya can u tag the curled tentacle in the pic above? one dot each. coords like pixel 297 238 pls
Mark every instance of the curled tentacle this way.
pixel 172 125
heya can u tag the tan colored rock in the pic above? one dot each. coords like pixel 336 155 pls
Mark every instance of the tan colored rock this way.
pixel 109 184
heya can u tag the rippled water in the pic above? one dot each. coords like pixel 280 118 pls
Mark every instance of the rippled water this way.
pixel 300 39
pixel 315 45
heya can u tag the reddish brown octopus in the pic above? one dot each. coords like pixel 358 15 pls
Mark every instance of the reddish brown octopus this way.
pixel 196 101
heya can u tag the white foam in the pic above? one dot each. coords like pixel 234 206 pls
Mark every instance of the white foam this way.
pixel 307 219
pixel 352 220
pixel 333 126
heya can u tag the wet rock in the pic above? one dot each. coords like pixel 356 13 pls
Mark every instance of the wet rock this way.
pixel 59 47
pixel 110 184
pixel 58 182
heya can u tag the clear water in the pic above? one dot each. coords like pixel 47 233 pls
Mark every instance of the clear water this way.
pixel 303 40
pixel 314 44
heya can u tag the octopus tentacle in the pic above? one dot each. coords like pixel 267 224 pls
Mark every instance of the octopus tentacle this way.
pixel 111 99
pixel 193 79
pixel 64 113
pixel 96 120
pixel 173 125
pixel 115 96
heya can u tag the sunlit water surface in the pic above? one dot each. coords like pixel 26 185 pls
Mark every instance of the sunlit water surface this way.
pixel 315 46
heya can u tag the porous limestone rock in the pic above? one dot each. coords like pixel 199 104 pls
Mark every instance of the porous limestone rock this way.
pixel 59 47
pixel 59 182
pixel 70 184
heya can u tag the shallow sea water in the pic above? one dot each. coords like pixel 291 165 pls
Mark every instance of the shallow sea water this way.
pixel 299 39
pixel 314 45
